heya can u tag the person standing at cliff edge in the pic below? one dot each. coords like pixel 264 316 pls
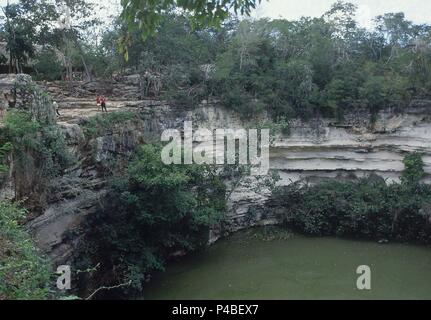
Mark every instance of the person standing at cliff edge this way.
pixel 103 103
pixel 98 102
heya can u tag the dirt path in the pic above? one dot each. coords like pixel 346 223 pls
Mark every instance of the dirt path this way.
pixel 72 109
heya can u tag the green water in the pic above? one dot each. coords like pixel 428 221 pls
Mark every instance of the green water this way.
pixel 246 267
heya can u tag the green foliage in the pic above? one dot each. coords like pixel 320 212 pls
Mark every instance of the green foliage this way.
pixel 47 66
pixel 153 211
pixel 98 124
pixel 327 65
pixel 414 169
pixel 24 272
pixel 4 150
pixel 373 93
pixel 25 24
pixel 146 15
pixel 367 208
pixel 242 102
pixel 43 143
pixel 363 209
pixel 20 129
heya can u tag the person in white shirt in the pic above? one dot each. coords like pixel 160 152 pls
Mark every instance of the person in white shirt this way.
pixel 55 104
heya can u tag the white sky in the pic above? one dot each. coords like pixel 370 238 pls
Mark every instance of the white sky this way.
pixel 419 11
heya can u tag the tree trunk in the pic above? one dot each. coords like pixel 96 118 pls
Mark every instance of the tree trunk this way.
pixel 87 72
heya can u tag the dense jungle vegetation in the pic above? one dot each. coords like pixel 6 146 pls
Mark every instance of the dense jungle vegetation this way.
pixel 153 211
pixel 327 65
pixel 156 212
pixel 322 66
pixel 368 208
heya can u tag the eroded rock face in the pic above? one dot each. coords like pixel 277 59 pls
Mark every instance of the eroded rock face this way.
pixel 78 193
pixel 312 151
pixel 321 149
pixel 335 151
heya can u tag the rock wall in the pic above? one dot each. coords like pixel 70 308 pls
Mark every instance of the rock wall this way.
pixel 321 149
pixel 343 151
pixel 78 192
pixel 313 150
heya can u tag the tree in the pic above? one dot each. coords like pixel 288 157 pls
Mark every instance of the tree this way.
pixel 373 93
pixel 50 24
pixel 76 18
pixel 47 66
pixel 244 69
pixel 154 211
pixel 343 91
pixel 25 23
pixel 341 17
pixel 24 272
pixel 414 169
pixel 146 15
pixel 395 28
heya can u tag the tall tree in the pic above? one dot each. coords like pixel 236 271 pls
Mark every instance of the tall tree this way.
pixel 24 24
pixel 76 18
pixel 146 15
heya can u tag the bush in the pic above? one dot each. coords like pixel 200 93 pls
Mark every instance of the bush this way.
pixel 240 101
pixel 414 170
pixel 153 211
pixel 367 208
pixel 48 66
pixel 99 124
pixel 44 143
pixel 24 272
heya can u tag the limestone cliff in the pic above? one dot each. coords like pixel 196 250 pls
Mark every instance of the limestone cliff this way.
pixel 313 150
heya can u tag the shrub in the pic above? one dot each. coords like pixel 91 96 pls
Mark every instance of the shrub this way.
pixel 99 124
pixel 367 208
pixel 44 143
pixel 153 211
pixel 414 170
pixel 24 272
pixel 48 66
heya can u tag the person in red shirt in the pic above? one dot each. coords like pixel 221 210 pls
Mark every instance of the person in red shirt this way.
pixel 98 102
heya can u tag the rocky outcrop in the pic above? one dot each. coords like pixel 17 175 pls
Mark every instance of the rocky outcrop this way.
pixel 313 150
pixel 18 91
pixel 325 149
pixel 78 193
pixel 335 151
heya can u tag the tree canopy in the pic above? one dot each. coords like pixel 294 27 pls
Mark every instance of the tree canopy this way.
pixel 146 15
pixel 198 50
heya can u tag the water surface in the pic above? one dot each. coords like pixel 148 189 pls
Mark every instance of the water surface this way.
pixel 245 266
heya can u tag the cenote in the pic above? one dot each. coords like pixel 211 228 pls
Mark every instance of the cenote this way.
pixel 253 265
